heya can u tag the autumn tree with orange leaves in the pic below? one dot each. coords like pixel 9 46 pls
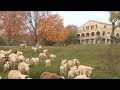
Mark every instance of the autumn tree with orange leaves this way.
pixel 51 28
pixel 32 19
pixel 12 25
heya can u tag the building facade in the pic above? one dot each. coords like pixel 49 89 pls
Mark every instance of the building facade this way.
pixel 93 32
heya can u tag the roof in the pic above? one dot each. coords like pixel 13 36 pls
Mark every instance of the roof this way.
pixel 100 22
pixel 97 22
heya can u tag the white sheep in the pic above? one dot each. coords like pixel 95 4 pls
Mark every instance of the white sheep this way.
pixel 45 51
pixel 76 62
pixel 21 58
pixel 19 53
pixel 63 68
pixel 85 70
pixel 72 73
pixel 48 62
pixel 0 77
pixel 9 52
pixel 2 55
pixel 2 51
pixel 52 56
pixel 81 77
pixel 42 56
pixel 35 49
pixel 35 61
pixel 27 60
pixel 70 64
pixel 63 61
pixel 13 60
pixel 23 45
pixel 38 46
pixel 6 66
pixel 15 74
pixel 23 67
pixel 74 68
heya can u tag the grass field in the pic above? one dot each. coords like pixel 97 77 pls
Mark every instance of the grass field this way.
pixel 105 59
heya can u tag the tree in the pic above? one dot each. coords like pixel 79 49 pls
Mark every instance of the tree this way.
pixel 115 20
pixel 72 27
pixel 33 17
pixel 72 32
pixel 12 25
pixel 51 28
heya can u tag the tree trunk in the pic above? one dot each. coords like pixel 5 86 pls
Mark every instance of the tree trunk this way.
pixel 112 33
pixel 10 42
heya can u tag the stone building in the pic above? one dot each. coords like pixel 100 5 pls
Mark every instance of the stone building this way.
pixel 94 32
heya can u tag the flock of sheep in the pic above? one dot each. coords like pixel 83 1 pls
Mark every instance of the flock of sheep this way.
pixel 12 58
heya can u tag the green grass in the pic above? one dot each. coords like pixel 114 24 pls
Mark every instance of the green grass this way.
pixel 105 59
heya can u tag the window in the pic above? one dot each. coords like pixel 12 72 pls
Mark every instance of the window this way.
pixel 91 27
pixel 98 33
pixel 92 34
pixel 103 33
pixel 96 26
pixel 83 28
pixel 88 27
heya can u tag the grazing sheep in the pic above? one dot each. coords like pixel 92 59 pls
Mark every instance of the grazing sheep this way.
pixel 2 52
pixel 19 53
pixel 74 68
pixel 13 60
pixel 27 60
pixel 63 61
pixel 52 56
pixel 48 75
pixel 9 52
pixel 76 62
pixel 23 67
pixel 85 70
pixel 70 64
pixel 35 61
pixel 15 74
pixel 2 55
pixel 48 62
pixel 81 77
pixel 35 49
pixel 6 66
pixel 45 51
pixel 21 58
pixel 5 59
pixel 72 73
pixel 63 68
pixel 42 56
pixel 38 46
pixel 23 45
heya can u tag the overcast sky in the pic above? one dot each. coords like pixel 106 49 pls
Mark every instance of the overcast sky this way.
pixel 80 17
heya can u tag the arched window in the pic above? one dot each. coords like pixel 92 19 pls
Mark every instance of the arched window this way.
pixel 92 34
pixel 103 33
pixel 82 35
pixel 98 33
pixel 87 34
pixel 78 35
